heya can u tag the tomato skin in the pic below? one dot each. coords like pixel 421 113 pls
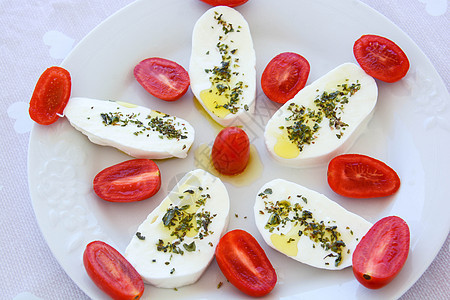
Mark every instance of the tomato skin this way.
pixel 230 3
pixel 111 272
pixel 382 252
pixel 284 76
pixel 50 96
pixel 128 181
pixel 361 176
pixel 163 78
pixel 381 58
pixel 231 151
pixel 245 264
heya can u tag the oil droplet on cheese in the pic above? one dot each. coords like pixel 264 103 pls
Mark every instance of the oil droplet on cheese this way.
pixel 167 235
pixel 285 148
pixel 181 199
pixel 202 158
pixel 202 111
pixel 214 101
pixel 126 104
pixel 287 243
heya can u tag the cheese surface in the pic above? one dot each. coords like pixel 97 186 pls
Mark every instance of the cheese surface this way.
pixel 138 131
pixel 222 66
pixel 323 119
pixel 177 241
pixel 307 226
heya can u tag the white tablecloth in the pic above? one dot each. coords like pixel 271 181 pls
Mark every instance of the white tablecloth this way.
pixel 36 34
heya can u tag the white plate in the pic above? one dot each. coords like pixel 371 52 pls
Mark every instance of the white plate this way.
pixel 408 131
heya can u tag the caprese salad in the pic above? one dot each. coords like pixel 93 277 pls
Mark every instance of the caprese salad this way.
pixel 315 124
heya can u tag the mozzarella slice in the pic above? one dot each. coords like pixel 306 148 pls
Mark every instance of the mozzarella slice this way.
pixel 323 119
pixel 307 226
pixel 138 131
pixel 222 66
pixel 168 254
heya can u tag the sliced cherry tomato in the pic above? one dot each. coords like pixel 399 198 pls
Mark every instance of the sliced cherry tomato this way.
pixel 245 264
pixel 230 3
pixel 231 151
pixel 361 176
pixel 381 58
pixel 284 76
pixel 131 180
pixel 111 272
pixel 50 96
pixel 163 78
pixel 381 253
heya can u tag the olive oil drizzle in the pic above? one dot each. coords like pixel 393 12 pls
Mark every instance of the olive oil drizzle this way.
pixel 306 121
pixel 179 220
pixel 283 212
pixel 222 75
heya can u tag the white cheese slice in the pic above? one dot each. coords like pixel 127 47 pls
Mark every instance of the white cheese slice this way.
pixel 138 131
pixel 292 219
pixel 222 66
pixel 168 257
pixel 344 97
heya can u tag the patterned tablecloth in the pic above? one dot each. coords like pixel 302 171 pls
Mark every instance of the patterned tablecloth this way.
pixel 36 34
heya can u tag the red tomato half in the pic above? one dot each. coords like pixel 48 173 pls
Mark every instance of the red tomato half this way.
pixel 381 253
pixel 284 76
pixel 131 180
pixel 50 96
pixel 231 151
pixel 111 272
pixel 230 3
pixel 381 58
pixel 162 78
pixel 245 264
pixel 361 176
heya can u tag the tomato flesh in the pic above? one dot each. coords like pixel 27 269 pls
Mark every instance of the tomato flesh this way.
pixel 382 252
pixel 132 180
pixel 50 96
pixel 361 176
pixel 245 264
pixel 111 272
pixel 230 3
pixel 163 78
pixel 231 151
pixel 284 76
pixel 381 58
